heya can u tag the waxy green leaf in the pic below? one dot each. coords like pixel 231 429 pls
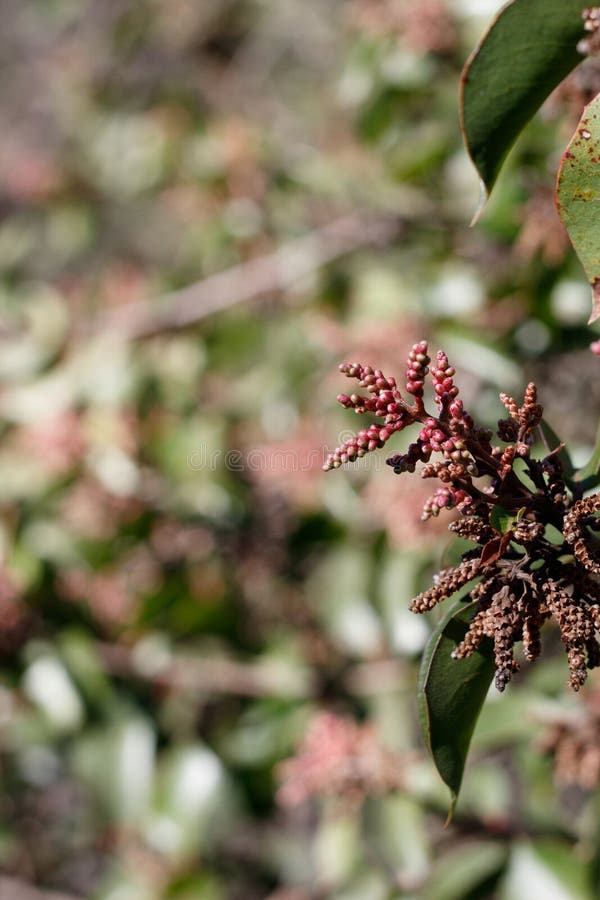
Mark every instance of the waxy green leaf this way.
pixel 527 51
pixel 451 693
pixel 501 519
pixel 578 196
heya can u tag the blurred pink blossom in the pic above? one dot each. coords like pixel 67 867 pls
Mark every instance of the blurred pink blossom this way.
pixel 56 443
pixel 28 175
pixel 396 504
pixel 426 27
pixel 341 758
pixel 92 512
pixel 292 467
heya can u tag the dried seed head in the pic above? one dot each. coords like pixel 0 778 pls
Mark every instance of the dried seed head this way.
pixel 446 583
pixel 575 531
pixel 472 528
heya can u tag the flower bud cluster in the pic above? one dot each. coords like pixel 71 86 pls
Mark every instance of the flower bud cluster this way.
pixel 447 472
pixel 442 377
pixel 522 420
pixel 358 446
pixel 445 498
pixel 417 367
pixel 452 433
pixel 511 406
pixel 385 402
pixel 506 461
pixel 525 576
pixel 434 440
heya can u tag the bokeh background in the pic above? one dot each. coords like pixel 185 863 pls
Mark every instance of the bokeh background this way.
pixel 208 668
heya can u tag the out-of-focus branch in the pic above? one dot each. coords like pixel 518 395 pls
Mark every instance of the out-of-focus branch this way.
pixel 275 272
pixel 220 675
pixel 211 675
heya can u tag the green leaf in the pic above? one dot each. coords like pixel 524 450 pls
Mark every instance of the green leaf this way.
pixel 501 519
pixel 451 693
pixel 463 870
pixel 551 866
pixel 589 476
pixel 578 196
pixel 529 48
pixel 558 858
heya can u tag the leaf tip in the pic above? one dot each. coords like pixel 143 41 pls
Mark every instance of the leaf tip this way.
pixel 483 199
pixel 452 810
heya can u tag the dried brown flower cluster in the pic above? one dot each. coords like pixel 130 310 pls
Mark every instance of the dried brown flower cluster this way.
pixel 341 759
pixel 536 557
pixel 573 741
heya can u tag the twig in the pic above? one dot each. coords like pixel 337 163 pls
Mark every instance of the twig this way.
pixel 209 675
pixel 222 675
pixel 275 272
